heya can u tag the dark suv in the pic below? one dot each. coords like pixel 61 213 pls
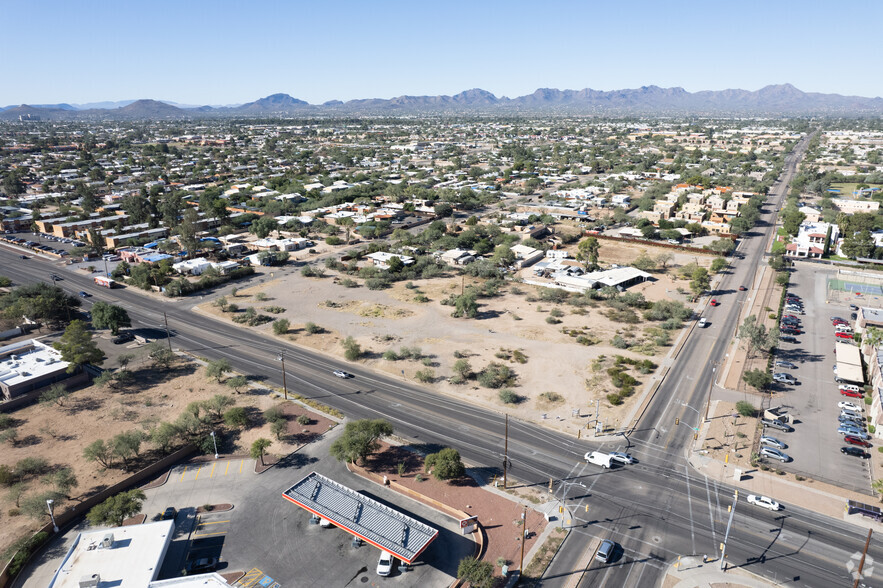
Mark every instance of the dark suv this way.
pixel 124 337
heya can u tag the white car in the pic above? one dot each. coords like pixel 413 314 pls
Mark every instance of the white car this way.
pixel 844 405
pixel 764 502
pixel 702 323
pixel 384 564
pixel 342 374
pixel 784 378
pixel 622 457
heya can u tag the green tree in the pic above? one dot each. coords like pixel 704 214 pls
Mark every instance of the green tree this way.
pixel 258 448
pixel 39 302
pixel 443 210
pixel 110 316
pixel 281 326
pixel 644 262
pixel 279 429
pixel 446 464
pixel 216 405
pixel 160 355
pixel 479 574
pixel 587 252
pixel 503 256
pixel 360 439
pixel 63 479
pixel 77 347
pixel 236 418
pixel 237 383
pixel 466 304
pixel 263 226
pixel 700 281
pixel 723 246
pixel 756 335
pixel 351 349
pixel 164 436
pixel 99 451
pixel 216 369
pixel 717 264
pixel 746 409
pixel 758 379
pixel 34 505
pixel 859 244
pixel 126 446
pixel 116 509
pixel 462 368
pixel 56 393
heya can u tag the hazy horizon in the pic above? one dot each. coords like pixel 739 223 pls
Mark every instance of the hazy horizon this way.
pixel 221 52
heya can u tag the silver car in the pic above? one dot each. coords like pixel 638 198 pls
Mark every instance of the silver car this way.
pixel 772 442
pixel 774 454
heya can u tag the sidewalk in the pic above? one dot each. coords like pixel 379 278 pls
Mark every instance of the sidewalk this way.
pixel 691 572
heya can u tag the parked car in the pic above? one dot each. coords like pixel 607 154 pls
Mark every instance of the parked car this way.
pixel 384 564
pixel 842 335
pixel 852 387
pixel 774 453
pixel 853 307
pixel 789 339
pixel 850 393
pixel 838 318
pixel 169 514
pixel 772 442
pixel 853 430
pixel 763 502
pixel 853 315
pixel 784 378
pixel 855 452
pixel 622 457
pixel 790 330
pixel 844 405
pixel 853 440
pixel 123 337
pixel 605 551
pixel 786 364
pixel 202 565
pixel 342 374
pixel 777 424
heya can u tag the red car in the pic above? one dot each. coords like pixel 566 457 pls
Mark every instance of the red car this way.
pixel 851 393
pixel 843 335
pixel 741 288
pixel 714 302
pixel 853 440
pixel 838 323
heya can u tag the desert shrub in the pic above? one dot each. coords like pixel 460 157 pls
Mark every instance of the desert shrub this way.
pixel 507 396
pixel 426 376
pixel 614 399
pixel 552 320
pixel 348 283
pixel 746 409
pixel 312 328
pixel 273 414
pixel 303 420
pixel 495 375
pixel 552 397
pixel 274 309
pixel 619 342
pixel 390 355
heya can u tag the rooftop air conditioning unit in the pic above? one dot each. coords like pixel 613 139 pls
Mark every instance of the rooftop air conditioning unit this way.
pixel 106 541
pixel 90 581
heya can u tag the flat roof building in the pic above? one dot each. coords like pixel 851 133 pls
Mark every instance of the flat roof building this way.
pixel 29 365
pixel 122 556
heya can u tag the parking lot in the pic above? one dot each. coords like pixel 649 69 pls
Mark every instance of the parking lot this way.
pixel 272 540
pixel 815 443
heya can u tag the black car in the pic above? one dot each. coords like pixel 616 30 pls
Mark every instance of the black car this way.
pixel 169 514
pixel 855 452
pixel 853 307
pixel 123 338
pixel 788 339
pixel 201 565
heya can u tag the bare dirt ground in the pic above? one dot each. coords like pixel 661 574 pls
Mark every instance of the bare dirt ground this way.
pixel 60 433
pixel 556 376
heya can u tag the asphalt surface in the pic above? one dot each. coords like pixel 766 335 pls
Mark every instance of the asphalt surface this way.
pixel 656 510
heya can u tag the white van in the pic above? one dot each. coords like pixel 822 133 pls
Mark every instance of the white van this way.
pixel 850 387
pixel 843 329
pixel 598 458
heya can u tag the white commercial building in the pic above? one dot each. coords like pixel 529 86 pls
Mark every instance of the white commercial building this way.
pixel 29 365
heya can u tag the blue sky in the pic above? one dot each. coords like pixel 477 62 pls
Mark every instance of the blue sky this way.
pixel 219 52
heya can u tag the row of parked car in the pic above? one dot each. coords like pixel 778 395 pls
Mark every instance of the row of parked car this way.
pixel 40 247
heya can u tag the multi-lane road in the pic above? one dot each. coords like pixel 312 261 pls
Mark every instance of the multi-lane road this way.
pixel 656 510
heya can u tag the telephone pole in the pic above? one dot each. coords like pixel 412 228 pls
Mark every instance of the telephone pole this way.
pixel 281 358
pixel 168 336
pixel 727 534
pixel 523 533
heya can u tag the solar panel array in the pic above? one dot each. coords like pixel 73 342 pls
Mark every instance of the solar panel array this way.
pixel 390 529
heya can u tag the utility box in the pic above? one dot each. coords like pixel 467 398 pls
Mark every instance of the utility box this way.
pixel 90 581
pixel 106 541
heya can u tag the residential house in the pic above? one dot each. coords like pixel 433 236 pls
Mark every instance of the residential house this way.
pixel 381 259
pixel 812 240
pixel 526 256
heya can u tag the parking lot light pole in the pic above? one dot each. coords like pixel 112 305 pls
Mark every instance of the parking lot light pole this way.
pixel 51 515
pixel 215 442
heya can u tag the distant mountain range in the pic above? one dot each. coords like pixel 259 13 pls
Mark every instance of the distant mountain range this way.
pixel 777 100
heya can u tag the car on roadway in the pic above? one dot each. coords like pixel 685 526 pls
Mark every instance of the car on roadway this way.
pixel 714 302
pixel 855 452
pixel 784 378
pixel 772 442
pixel 853 307
pixel 342 374
pixel 853 440
pixel 777 424
pixel 763 502
pixel 845 405
pixel 742 288
pixel 202 565
pixel 123 337
pixel 84 294
pixel 384 564
pixel 703 322
pixel 622 457
pixel 22 256
pixel 786 364
pixel 774 453
pixel 850 393
pixel 605 551
pixel 853 316
pixel 789 339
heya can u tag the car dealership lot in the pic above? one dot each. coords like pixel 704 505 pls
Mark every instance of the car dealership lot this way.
pixel 815 443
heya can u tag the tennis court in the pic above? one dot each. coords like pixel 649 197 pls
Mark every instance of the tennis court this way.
pixel 851 287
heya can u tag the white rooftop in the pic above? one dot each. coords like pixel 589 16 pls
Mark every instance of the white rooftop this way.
pixel 26 360
pixel 134 558
pixel 212 580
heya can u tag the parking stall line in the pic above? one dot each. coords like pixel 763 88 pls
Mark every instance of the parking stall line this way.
pixel 209 534
pixel 203 523
pixel 241 461
pixel 197 473
pixel 250 577
pixel 181 479
pixel 212 474
pixel 227 468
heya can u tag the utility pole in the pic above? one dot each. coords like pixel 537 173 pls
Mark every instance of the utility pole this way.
pixel 168 336
pixel 506 453
pixel 727 534
pixel 861 564
pixel 284 385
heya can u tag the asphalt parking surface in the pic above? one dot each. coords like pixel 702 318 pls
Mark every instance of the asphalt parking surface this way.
pixel 815 443
pixel 273 541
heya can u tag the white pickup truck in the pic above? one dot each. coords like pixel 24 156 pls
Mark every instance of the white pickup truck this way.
pixel 598 458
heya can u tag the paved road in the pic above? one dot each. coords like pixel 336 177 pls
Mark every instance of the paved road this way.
pixel 656 510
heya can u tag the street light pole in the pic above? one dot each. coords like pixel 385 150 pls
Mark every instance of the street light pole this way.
pixel 215 442
pixel 710 388
pixel 281 358
pixel 51 515
pixel 523 535
pixel 727 534
pixel 168 336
